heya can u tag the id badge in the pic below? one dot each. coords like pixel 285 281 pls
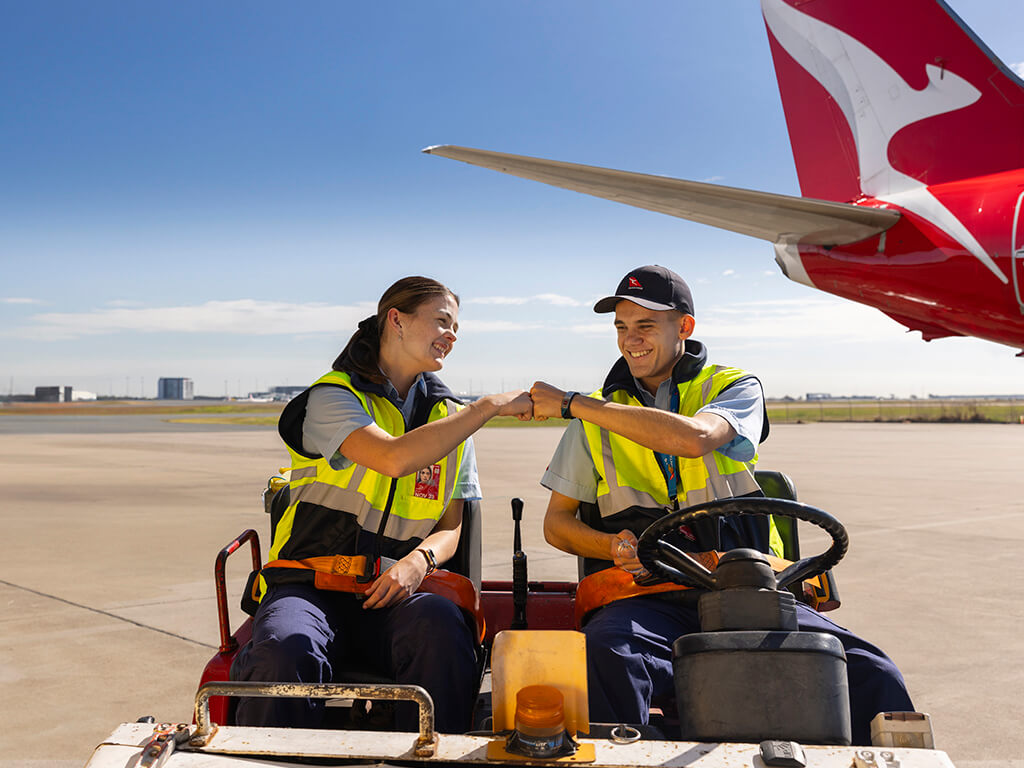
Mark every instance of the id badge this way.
pixel 428 481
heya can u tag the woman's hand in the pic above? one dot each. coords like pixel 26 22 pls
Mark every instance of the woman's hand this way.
pixel 516 403
pixel 397 583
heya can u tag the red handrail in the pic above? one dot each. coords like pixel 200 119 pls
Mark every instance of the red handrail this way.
pixel 227 642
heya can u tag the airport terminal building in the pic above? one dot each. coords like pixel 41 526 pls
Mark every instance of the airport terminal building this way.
pixel 174 389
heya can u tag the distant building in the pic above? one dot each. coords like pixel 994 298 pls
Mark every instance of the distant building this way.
pixel 819 396
pixel 174 389
pixel 81 394
pixel 976 397
pixel 54 394
pixel 285 393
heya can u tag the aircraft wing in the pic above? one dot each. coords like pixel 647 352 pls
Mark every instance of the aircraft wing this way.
pixel 764 215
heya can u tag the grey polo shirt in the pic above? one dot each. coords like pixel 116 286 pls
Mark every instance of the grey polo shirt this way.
pixel 572 472
pixel 334 413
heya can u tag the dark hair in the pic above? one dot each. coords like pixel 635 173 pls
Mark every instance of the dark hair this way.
pixel 362 353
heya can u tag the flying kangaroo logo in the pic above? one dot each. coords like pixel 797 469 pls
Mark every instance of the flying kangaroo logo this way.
pixel 634 283
pixel 877 103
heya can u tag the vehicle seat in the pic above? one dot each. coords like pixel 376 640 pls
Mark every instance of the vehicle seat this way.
pixel 466 561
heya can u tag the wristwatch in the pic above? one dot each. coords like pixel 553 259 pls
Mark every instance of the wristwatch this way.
pixel 567 404
pixel 428 555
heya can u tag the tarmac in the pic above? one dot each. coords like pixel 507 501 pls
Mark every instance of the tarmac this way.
pixel 111 530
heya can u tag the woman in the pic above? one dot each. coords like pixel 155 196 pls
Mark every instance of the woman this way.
pixel 381 462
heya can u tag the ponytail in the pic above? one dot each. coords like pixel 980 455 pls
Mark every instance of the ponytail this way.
pixel 362 353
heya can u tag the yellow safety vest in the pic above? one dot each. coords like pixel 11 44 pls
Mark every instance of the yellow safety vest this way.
pixel 331 511
pixel 630 475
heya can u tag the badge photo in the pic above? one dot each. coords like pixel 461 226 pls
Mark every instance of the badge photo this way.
pixel 428 481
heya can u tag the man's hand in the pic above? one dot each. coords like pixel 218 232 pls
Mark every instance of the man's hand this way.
pixel 547 401
pixel 397 583
pixel 623 551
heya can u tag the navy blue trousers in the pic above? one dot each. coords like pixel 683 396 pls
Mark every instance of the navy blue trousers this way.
pixel 629 663
pixel 302 634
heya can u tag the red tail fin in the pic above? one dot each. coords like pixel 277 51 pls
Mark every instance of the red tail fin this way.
pixel 883 96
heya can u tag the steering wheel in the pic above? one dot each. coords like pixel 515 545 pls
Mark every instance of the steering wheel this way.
pixel 662 558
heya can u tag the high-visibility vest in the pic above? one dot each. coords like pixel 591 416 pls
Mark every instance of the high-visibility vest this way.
pixel 338 512
pixel 631 477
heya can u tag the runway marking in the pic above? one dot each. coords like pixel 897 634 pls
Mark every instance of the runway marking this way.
pixel 107 613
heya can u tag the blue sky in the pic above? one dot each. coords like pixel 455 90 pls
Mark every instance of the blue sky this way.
pixel 222 190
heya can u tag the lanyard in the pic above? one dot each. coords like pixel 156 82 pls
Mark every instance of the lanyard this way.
pixel 670 464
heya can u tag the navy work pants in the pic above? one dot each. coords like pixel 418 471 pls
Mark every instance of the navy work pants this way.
pixel 302 634
pixel 629 663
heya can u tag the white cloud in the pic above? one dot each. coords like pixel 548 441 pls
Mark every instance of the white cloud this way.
pixel 558 301
pixel 793 320
pixel 593 329
pixel 1018 69
pixel 496 326
pixel 500 300
pixel 553 299
pixel 781 322
pixel 728 272
pixel 17 300
pixel 126 303
pixel 242 316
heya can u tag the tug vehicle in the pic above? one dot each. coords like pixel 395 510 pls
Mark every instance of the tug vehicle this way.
pixel 750 688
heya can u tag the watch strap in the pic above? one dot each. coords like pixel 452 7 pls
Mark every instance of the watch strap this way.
pixel 428 555
pixel 567 404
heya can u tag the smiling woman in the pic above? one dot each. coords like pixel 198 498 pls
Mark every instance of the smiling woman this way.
pixel 382 461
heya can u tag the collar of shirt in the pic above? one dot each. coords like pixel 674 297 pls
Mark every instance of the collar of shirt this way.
pixel 408 405
pixel 662 399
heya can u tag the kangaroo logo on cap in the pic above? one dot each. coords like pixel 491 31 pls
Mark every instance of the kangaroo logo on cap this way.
pixel 634 283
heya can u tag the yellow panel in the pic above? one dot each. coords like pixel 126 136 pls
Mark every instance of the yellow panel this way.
pixel 496 753
pixel 540 657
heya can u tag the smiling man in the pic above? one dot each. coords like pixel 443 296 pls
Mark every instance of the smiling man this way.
pixel 667 430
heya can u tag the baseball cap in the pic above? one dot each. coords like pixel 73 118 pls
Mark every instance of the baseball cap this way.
pixel 652 287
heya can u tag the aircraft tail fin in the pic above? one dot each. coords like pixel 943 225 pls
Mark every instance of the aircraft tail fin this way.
pixel 881 97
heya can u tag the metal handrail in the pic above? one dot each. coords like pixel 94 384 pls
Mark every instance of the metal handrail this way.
pixel 425 742
pixel 227 641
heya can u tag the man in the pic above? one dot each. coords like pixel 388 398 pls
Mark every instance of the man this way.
pixel 666 431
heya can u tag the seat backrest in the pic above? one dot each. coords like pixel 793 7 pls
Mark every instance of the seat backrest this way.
pixel 777 485
pixel 467 557
pixel 591 515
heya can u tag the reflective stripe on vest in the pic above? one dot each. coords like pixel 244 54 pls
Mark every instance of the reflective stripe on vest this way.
pixel 629 473
pixel 361 491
